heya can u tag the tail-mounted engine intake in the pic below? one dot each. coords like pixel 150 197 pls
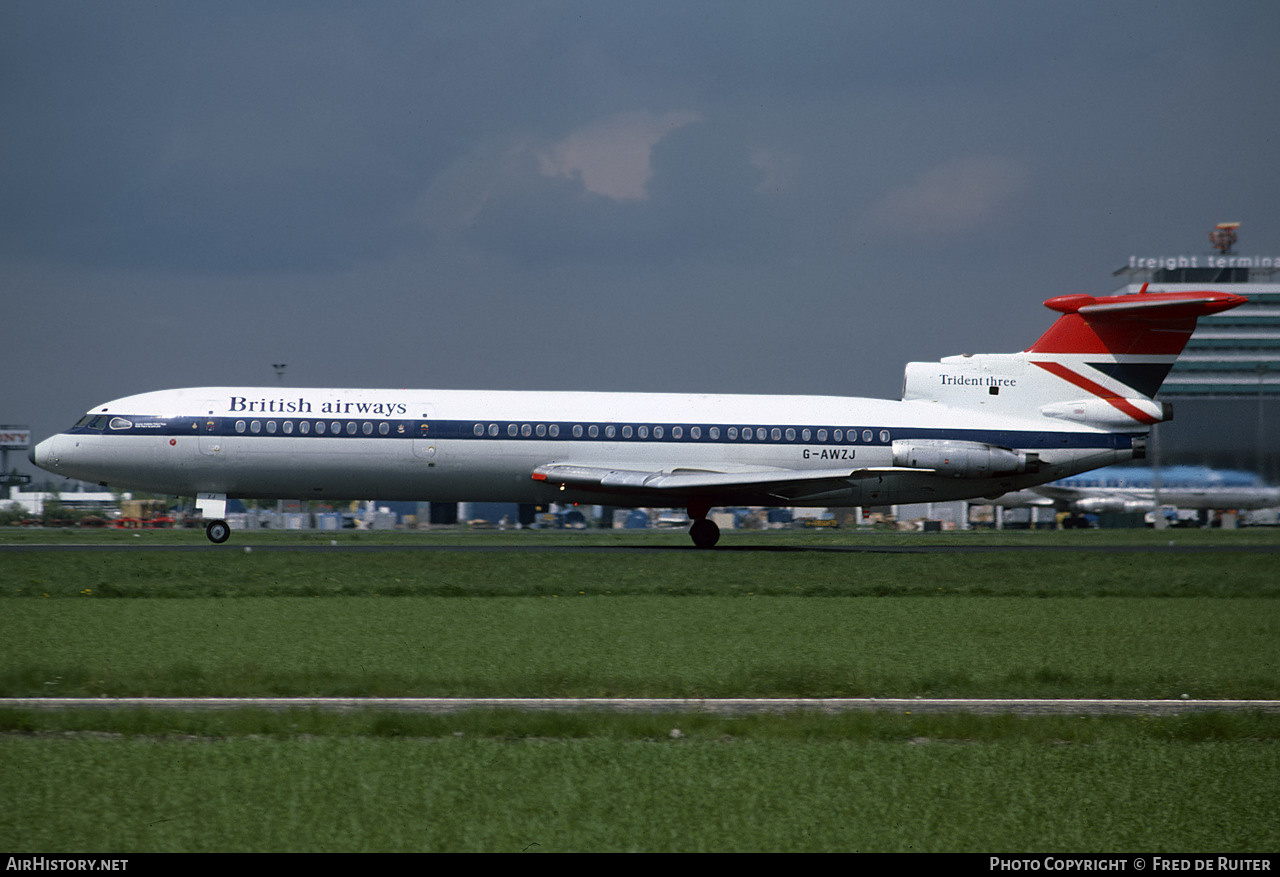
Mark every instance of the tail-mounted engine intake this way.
pixel 1110 413
pixel 963 459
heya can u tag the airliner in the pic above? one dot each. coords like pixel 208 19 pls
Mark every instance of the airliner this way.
pixel 1135 489
pixel 967 426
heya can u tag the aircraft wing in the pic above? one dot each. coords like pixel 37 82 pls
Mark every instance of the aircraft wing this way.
pixel 789 484
pixel 1076 494
pixel 1026 498
pixel 1064 494
pixel 1087 500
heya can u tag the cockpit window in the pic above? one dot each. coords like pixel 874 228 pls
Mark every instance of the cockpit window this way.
pixel 121 423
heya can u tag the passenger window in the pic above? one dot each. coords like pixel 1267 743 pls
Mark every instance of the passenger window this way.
pixel 367 428
pixel 288 427
pixel 304 426
pixel 577 430
pixel 642 431
pixel 319 427
pixel 838 435
pixel 554 430
pixel 791 434
pixel 239 426
pixel 822 435
pixel 593 430
pixel 271 427
pixel 610 431
pixel 657 432
pixel 733 432
pixel 867 435
pixel 626 432
pixel 715 432
pixel 806 434
pixel 884 435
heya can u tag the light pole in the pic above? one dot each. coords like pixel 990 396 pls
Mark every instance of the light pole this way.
pixel 1262 447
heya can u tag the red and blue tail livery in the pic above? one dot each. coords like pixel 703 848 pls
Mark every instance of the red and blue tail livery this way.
pixel 968 426
pixel 1126 340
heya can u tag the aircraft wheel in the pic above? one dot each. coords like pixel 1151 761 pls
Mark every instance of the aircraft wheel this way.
pixel 705 533
pixel 218 532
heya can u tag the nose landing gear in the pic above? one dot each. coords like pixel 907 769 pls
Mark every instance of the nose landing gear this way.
pixel 212 507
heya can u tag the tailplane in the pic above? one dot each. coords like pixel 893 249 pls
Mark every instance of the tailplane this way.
pixel 1100 364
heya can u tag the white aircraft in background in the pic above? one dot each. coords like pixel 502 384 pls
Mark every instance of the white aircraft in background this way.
pixel 1140 489
pixel 967 426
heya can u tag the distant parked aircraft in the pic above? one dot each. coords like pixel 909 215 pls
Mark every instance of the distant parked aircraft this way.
pixel 1133 489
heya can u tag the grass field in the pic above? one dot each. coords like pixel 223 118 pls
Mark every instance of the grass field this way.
pixel 1094 614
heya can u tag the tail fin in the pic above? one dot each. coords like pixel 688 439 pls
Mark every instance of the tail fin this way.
pixel 1099 364
pixel 1121 347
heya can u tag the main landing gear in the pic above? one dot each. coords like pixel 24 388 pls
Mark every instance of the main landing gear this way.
pixel 703 531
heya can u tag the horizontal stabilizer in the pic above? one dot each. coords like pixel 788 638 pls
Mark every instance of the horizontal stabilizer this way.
pixel 1150 323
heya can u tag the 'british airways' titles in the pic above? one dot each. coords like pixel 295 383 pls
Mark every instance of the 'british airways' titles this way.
pixel 301 406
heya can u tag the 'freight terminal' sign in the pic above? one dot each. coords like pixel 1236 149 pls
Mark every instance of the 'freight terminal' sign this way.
pixel 15 438
pixel 1158 262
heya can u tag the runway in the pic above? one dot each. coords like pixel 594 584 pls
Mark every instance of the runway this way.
pixel 722 706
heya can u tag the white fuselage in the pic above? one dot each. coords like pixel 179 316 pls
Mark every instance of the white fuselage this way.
pixel 451 445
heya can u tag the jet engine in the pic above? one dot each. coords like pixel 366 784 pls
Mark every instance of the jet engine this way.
pixel 960 459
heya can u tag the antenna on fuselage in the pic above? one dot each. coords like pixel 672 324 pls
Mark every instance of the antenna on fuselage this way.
pixel 279 367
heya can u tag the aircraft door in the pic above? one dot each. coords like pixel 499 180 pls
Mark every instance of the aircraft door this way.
pixel 209 436
pixel 425 444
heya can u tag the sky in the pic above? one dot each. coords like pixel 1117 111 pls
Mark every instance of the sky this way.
pixel 730 196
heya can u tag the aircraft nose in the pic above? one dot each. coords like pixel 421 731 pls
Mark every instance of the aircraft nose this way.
pixel 43 454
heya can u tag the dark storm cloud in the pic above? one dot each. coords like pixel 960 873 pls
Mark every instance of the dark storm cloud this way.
pixel 181 139
pixel 703 196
